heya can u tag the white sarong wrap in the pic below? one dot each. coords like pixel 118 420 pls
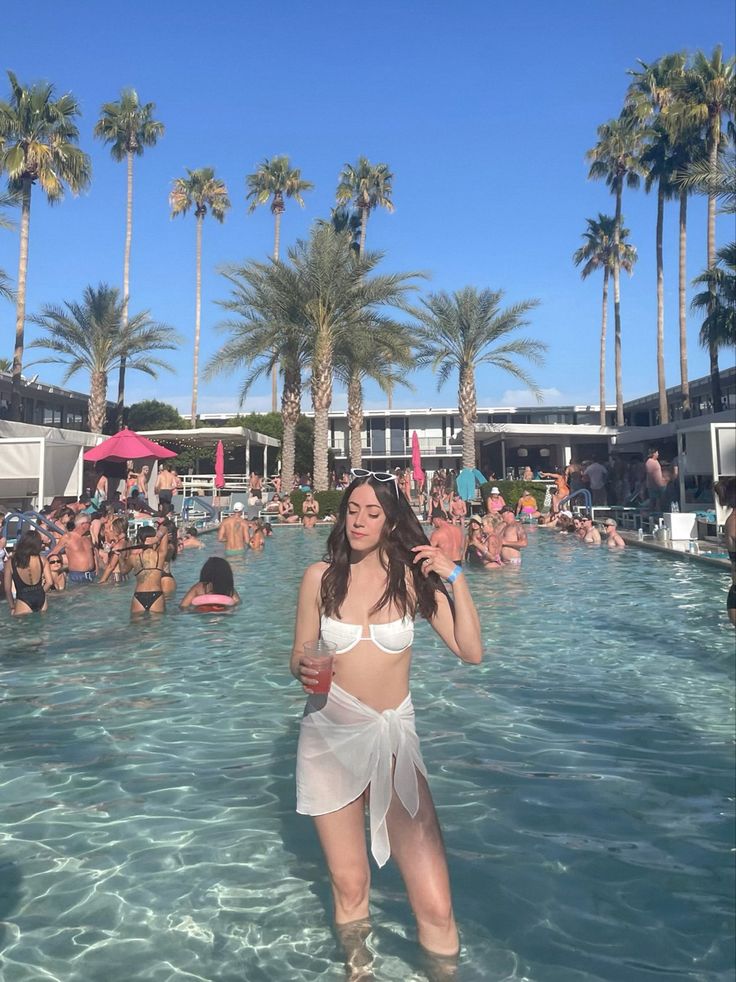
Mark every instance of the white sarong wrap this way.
pixel 347 746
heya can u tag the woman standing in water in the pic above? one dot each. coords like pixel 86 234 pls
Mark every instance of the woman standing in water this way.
pixel 358 747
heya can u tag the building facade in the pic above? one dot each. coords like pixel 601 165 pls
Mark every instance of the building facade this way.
pixel 46 405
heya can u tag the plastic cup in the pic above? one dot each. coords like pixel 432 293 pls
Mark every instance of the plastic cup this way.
pixel 322 654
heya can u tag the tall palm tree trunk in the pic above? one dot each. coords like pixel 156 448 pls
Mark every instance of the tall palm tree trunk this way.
pixel 277 213
pixel 197 321
pixel 661 384
pixel 363 230
pixel 321 401
pixel 120 408
pixel 617 308
pixel 97 401
pixel 682 289
pixel 468 408
pixel 604 330
pixel 291 398
pixel 715 375
pixel 355 421
pixel 20 306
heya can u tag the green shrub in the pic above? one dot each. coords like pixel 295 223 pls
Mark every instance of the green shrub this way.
pixel 511 491
pixel 329 501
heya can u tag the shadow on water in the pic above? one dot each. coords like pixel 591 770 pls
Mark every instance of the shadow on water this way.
pixel 11 879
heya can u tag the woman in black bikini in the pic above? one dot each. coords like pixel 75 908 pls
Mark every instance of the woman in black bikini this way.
pixel 148 568
pixel 27 572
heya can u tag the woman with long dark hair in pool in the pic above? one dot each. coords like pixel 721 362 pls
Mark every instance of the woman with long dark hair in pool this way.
pixel 26 573
pixel 216 579
pixel 358 747
pixel 149 556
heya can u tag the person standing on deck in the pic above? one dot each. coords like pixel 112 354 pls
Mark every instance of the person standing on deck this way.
pixel 655 480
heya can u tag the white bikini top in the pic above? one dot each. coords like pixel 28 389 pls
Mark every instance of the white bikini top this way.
pixel 393 638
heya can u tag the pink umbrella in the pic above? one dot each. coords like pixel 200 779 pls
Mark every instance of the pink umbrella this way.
pixel 220 465
pixel 127 445
pixel 416 459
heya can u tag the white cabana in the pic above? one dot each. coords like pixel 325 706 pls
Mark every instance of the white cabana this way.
pixel 39 462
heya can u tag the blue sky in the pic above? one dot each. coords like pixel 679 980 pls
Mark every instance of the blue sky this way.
pixel 483 111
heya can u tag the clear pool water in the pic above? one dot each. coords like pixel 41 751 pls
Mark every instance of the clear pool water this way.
pixel 583 775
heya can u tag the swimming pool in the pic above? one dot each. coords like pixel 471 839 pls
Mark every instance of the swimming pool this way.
pixel 583 775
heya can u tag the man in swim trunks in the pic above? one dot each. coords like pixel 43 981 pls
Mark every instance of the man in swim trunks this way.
pixel 167 484
pixel 448 538
pixel 234 530
pixel 590 533
pixel 613 539
pixel 513 537
pixel 80 554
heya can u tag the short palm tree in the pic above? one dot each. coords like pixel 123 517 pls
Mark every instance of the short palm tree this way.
pixel 707 93
pixel 128 127
pixel 597 253
pixel 90 336
pixel 467 329
pixel 267 334
pixel 38 137
pixel 718 330
pixel 5 364
pixel 615 159
pixel 366 186
pixel 274 181
pixel 203 192
pixel 380 349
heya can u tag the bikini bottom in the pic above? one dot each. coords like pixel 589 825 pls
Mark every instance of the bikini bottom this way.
pixel 147 598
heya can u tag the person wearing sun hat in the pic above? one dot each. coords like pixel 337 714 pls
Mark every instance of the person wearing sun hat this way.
pixel 495 500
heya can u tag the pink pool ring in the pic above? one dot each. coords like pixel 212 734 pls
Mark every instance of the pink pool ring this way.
pixel 209 602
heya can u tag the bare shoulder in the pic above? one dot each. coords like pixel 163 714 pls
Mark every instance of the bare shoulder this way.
pixel 314 573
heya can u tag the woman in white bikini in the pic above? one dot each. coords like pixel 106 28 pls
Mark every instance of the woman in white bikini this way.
pixel 358 747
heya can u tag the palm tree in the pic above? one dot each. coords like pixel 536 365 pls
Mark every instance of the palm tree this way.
pixel 5 364
pixel 91 336
pixel 366 186
pixel 708 91
pixel 615 159
pixel 718 330
pixel 275 180
pixel 267 334
pixel 597 253
pixel 129 127
pixel 466 329
pixel 38 137
pixel 380 350
pixel 650 95
pixel 200 190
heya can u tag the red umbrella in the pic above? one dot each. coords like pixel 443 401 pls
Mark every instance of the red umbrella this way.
pixel 220 465
pixel 127 445
pixel 416 459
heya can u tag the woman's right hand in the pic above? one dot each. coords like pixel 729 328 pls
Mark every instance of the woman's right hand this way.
pixel 307 673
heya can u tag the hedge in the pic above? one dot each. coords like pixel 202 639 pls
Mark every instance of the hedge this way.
pixel 511 491
pixel 329 501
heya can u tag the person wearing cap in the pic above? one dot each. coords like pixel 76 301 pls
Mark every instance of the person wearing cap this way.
pixel 484 546
pixel 588 532
pixel 494 501
pixel 448 538
pixel 80 555
pixel 513 537
pixel 233 530
pixel 613 539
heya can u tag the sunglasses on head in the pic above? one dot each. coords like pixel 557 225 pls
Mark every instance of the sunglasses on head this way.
pixel 382 476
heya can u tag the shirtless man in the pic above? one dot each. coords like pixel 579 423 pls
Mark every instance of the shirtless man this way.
pixel 513 537
pixel 255 483
pixel 80 556
pixel 590 533
pixel 458 509
pixel 234 530
pixel 167 484
pixel 613 539
pixel 449 539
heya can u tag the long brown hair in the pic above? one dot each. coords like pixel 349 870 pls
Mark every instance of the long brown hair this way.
pixel 401 532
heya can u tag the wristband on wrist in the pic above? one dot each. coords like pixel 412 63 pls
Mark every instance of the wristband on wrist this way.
pixel 454 574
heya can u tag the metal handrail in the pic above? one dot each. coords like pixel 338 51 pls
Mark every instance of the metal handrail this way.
pixel 586 495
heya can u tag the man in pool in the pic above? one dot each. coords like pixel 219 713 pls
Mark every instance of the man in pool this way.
pixel 80 554
pixel 590 533
pixel 234 530
pixel 448 538
pixel 613 539
pixel 513 537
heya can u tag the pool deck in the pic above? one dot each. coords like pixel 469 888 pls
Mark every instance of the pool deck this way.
pixel 708 552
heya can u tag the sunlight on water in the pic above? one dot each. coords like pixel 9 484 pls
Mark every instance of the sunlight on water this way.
pixel 583 776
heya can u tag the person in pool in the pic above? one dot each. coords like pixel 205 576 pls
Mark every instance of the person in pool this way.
pixel 81 556
pixel 526 506
pixel 215 577
pixel 148 566
pixel 233 530
pixel 25 574
pixel 379 575
pixel 725 489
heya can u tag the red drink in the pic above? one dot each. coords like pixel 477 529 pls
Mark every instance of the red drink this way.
pixel 324 675
pixel 320 654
